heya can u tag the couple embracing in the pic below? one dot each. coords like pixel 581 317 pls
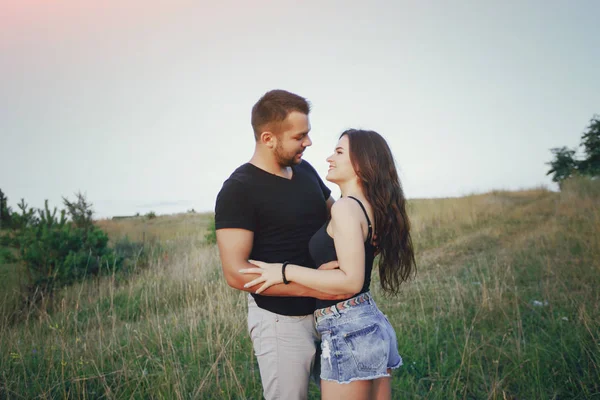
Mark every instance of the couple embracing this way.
pixel 306 259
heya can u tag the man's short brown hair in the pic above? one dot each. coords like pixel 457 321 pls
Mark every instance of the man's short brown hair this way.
pixel 273 108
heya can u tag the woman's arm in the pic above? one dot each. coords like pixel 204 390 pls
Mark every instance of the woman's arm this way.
pixel 346 217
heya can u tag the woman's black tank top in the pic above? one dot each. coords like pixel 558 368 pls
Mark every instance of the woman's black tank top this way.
pixel 322 250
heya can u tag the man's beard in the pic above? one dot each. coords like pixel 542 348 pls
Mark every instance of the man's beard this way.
pixel 285 160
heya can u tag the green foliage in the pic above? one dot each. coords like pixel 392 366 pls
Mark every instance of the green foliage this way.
pixel 7 256
pixel 151 215
pixel 6 240
pixel 25 219
pixel 590 141
pixel 80 211
pixel 211 234
pixel 5 211
pixel 58 253
pixel 564 164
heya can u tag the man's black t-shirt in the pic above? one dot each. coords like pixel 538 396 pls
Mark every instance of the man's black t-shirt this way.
pixel 282 213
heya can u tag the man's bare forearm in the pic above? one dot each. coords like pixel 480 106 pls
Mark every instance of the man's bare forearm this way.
pixel 296 290
pixel 237 280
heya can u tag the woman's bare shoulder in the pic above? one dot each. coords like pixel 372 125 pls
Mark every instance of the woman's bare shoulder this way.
pixel 344 209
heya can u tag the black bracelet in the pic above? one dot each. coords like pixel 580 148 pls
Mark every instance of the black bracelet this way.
pixel 285 264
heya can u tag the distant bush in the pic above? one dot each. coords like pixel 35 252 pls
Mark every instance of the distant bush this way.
pixel 151 215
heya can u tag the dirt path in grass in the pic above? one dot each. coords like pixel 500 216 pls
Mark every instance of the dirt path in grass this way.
pixel 523 219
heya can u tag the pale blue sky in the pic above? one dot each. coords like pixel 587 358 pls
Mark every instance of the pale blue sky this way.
pixel 146 105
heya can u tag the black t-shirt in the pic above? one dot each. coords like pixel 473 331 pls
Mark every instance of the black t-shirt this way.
pixel 282 213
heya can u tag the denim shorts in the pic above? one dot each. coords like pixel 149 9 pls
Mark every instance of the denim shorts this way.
pixel 357 343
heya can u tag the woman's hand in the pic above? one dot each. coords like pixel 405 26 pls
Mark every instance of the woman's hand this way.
pixel 270 274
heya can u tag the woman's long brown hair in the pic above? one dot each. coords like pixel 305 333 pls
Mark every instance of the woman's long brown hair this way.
pixel 374 164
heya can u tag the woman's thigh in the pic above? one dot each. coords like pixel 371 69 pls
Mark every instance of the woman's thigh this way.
pixel 357 390
pixel 376 389
pixel 382 388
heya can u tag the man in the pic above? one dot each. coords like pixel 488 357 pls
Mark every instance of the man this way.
pixel 268 210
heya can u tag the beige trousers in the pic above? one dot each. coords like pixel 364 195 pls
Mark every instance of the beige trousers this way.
pixel 285 348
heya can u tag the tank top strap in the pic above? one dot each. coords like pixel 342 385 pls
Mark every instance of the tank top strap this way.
pixel 370 231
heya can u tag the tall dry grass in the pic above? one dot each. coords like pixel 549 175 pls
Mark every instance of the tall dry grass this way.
pixel 186 226
pixel 505 305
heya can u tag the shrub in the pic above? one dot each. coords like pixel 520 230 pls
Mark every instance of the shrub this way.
pixel 57 252
pixel 151 215
pixel 25 219
pixel 80 211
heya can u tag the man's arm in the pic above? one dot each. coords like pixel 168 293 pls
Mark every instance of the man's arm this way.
pixel 235 246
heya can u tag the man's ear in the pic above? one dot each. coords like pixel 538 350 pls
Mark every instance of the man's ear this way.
pixel 268 139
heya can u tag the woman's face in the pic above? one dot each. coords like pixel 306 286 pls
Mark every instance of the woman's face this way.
pixel 340 167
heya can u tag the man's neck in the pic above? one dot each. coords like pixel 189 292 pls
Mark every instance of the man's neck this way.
pixel 268 163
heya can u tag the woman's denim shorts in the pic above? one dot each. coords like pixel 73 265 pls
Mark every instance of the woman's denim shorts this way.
pixel 357 342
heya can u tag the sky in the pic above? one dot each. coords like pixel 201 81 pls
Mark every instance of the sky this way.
pixel 146 105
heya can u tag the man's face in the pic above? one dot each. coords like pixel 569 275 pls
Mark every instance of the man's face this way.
pixel 293 139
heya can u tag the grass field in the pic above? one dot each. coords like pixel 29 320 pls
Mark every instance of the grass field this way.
pixel 505 305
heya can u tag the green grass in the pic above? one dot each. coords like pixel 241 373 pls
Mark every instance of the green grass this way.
pixel 12 279
pixel 469 326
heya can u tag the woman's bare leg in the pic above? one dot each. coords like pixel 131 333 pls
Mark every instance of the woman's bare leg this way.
pixel 382 388
pixel 357 390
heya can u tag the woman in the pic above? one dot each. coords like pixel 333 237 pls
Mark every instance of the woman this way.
pixel 358 344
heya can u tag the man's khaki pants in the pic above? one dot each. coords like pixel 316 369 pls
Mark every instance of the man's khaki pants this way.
pixel 286 350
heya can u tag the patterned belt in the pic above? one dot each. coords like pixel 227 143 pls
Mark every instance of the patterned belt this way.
pixel 342 305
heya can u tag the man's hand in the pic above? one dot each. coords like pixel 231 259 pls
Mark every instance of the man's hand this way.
pixel 330 265
pixel 326 296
